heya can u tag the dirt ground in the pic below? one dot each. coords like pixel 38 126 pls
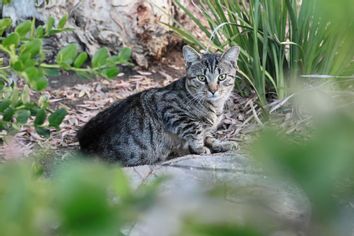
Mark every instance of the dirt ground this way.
pixel 84 98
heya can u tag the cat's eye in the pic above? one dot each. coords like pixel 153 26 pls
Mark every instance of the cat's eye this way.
pixel 201 78
pixel 222 77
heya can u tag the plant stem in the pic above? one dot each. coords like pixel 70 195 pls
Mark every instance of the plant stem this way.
pixel 5 68
pixel 2 48
pixel 55 66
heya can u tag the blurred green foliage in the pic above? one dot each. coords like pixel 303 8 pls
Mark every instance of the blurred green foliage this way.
pixel 80 198
pixel 321 163
pixel 24 72
pixel 192 228
pixel 279 39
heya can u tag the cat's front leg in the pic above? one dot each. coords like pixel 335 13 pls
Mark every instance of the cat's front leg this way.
pixel 216 145
pixel 196 145
pixel 189 130
pixel 193 135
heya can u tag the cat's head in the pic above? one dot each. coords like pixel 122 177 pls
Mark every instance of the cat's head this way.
pixel 211 75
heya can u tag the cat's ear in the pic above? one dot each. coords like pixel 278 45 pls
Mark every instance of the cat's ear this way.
pixel 190 55
pixel 231 55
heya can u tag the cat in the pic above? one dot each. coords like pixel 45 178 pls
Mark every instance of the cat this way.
pixel 152 125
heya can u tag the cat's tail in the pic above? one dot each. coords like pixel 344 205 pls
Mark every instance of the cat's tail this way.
pixel 88 138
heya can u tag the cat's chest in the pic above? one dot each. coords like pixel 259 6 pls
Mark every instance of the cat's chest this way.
pixel 208 114
pixel 212 120
pixel 217 120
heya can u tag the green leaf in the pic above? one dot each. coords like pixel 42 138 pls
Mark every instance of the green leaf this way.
pixel 2 84
pixel 15 94
pixel 4 104
pixel 8 114
pixel 2 125
pixel 40 117
pixel 18 66
pixel 43 131
pixel 43 102
pixel 32 47
pixel 100 57
pixel 11 39
pixel 110 72
pixel 80 60
pixel 25 96
pixel 74 204
pixel 22 116
pixel 32 107
pixel 41 84
pixel 24 61
pixel 40 32
pixel 23 28
pixel 4 25
pixel 124 55
pixel 49 25
pixel 36 78
pixel 66 55
pixel 33 73
pixel 62 22
pixel 122 184
pixel 57 117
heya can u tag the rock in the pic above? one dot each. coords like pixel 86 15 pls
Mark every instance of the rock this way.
pixel 248 194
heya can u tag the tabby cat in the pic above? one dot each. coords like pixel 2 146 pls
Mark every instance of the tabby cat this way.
pixel 150 126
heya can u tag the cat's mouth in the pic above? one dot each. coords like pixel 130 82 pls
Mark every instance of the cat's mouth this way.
pixel 213 97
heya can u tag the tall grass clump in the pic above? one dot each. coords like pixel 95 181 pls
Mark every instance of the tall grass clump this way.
pixel 280 39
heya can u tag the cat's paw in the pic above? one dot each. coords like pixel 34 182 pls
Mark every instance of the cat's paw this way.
pixel 200 150
pixel 225 146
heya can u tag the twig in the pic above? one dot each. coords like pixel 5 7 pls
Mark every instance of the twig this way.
pixel 255 114
pixel 281 103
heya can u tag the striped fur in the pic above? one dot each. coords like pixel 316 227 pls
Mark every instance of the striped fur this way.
pixel 152 125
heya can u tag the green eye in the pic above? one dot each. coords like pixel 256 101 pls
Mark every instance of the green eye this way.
pixel 222 77
pixel 201 78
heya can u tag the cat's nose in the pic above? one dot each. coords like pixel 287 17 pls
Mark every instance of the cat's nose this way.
pixel 213 88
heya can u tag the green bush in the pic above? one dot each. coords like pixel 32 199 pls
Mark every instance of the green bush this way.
pixel 321 163
pixel 80 198
pixel 279 39
pixel 24 71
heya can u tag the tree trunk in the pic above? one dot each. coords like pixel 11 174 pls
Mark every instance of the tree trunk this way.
pixel 117 23
pixel 19 10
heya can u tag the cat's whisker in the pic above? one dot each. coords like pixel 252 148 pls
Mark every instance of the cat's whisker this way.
pixel 194 99
pixel 197 99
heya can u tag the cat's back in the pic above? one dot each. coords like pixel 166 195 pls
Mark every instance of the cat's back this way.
pixel 126 113
pixel 113 117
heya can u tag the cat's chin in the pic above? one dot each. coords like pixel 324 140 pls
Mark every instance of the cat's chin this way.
pixel 214 98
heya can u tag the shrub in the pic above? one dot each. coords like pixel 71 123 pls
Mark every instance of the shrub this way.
pixel 80 198
pixel 23 71
pixel 321 163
